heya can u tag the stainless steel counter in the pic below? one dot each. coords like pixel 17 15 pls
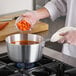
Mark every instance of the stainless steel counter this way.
pixel 59 56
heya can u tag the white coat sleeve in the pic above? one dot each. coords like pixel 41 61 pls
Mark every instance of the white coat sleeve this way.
pixel 56 8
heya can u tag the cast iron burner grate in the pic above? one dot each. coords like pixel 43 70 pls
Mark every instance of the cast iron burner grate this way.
pixel 44 67
pixel 5 72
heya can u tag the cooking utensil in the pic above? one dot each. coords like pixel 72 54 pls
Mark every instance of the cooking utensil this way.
pixel 9 19
pixel 25 53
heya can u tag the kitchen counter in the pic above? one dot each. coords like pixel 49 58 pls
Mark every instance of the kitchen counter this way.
pixel 3 48
pixel 59 56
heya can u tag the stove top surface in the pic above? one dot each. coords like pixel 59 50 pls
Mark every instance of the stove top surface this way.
pixel 44 67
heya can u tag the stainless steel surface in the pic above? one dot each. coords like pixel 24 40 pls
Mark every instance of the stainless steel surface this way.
pixel 25 53
pixel 59 56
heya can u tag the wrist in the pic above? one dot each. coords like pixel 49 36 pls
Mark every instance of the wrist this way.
pixel 37 16
pixel 41 13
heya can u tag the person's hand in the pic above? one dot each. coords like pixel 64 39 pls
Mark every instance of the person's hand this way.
pixel 33 16
pixel 30 17
pixel 68 37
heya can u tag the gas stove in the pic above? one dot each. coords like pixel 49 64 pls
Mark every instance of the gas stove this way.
pixel 44 67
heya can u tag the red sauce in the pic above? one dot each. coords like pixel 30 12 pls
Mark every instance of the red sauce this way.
pixel 25 42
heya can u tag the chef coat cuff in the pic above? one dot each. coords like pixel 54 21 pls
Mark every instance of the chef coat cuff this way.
pixel 53 11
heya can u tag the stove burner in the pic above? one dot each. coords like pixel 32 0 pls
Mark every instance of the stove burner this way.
pixel 44 67
pixel 25 65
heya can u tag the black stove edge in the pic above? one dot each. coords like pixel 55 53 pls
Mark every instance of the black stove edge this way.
pixel 59 56
pixel 3 54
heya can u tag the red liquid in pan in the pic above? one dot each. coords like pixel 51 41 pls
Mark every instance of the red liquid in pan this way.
pixel 25 42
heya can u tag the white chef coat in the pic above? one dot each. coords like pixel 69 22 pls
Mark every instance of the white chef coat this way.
pixel 58 8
